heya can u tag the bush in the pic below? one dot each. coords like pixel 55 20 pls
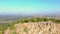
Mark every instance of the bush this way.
pixel 11 26
pixel 33 20
pixel 3 28
pixel 25 29
pixel 14 32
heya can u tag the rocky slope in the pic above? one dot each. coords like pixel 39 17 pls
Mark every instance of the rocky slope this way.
pixel 47 27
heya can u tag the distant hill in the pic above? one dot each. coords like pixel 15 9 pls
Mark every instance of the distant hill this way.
pixel 8 18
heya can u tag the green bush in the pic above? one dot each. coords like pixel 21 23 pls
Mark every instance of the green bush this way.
pixel 33 20
pixel 45 19
pixel 3 28
pixel 11 26
pixel 14 32
pixel 25 29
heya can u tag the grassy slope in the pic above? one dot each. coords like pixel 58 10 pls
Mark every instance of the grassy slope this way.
pixel 26 20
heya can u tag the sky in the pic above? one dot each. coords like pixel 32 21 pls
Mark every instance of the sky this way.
pixel 29 7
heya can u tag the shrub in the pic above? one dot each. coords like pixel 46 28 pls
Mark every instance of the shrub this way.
pixel 33 20
pixel 14 32
pixel 25 29
pixel 11 26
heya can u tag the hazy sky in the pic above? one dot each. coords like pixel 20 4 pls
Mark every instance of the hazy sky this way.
pixel 41 7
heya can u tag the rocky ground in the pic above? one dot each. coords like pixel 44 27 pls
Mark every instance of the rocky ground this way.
pixel 47 27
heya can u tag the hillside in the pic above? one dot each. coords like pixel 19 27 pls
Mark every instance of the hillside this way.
pixel 35 28
pixel 32 26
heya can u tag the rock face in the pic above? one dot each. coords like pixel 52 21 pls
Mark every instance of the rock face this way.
pixel 35 28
